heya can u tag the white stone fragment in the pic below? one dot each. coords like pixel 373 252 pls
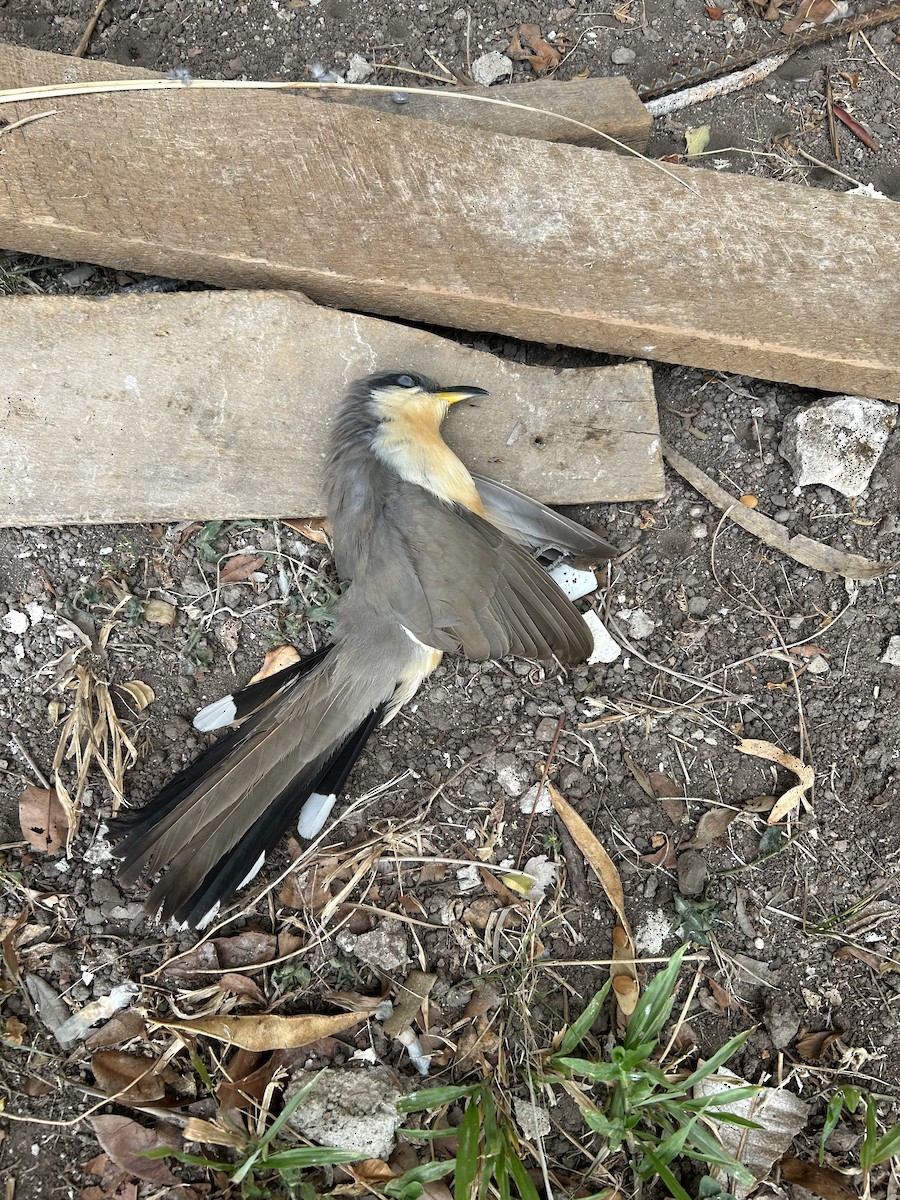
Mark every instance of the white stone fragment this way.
pixel 891 655
pixel 15 622
pixel 837 441
pixel 359 69
pixel 528 806
pixel 605 649
pixel 533 1122
pixel 491 68
pixel 513 780
pixel 574 581
pixel 817 665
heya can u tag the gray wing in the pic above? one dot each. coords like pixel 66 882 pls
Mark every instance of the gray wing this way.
pixel 535 526
pixel 456 582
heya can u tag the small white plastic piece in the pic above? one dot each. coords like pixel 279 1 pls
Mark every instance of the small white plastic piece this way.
pixel 216 715
pixel 573 580
pixel 605 649
pixel 314 814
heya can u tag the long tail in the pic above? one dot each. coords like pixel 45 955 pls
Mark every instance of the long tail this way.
pixel 210 828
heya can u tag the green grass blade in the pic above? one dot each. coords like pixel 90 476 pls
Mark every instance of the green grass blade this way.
pixel 524 1185
pixel 467 1154
pixel 667 1178
pixel 299 1157
pixel 886 1147
pixel 435 1097
pixel 579 1028
pixel 721 1055
pixel 655 1005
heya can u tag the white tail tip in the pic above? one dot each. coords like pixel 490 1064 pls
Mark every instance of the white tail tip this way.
pixel 216 715
pixel 314 814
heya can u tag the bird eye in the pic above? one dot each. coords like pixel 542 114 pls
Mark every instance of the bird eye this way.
pixel 406 381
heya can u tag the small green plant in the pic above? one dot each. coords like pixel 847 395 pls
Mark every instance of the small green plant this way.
pixel 262 1157
pixel 487 1150
pixel 195 653
pixel 874 1150
pixel 638 1108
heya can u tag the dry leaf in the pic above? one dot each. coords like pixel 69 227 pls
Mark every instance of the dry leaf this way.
pixel 126 1142
pixel 664 856
pixel 117 1072
pixel 805 550
pixel 242 986
pixel 779 1113
pixel 711 826
pixel 597 858
pixel 823 1181
pixel 198 1130
pixel 715 14
pixel 817 12
pixel 141 693
pixel 266 1032
pixel 240 567
pixel 411 995
pixel 276 660
pixel 805 775
pixel 160 612
pixel 669 794
pixel 527 45
pixel 854 126
pixel 317 529
pixel 696 140
pixel 43 819
pixel 864 956
pixel 14 1031
pixel 813 1045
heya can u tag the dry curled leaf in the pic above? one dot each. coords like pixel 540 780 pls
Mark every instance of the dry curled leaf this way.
pixel 316 529
pixel 597 858
pixel 141 693
pixel 772 753
pixel 527 45
pixel 816 12
pixel 266 1032
pixel 116 1072
pixel 43 819
pixel 240 568
pixel 711 826
pixel 811 1046
pixel 160 612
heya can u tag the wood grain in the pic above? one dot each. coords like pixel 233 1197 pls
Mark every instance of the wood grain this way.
pixel 217 404
pixel 446 226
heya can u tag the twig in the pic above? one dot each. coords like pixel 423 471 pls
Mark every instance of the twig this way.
pixel 817 162
pixel 879 59
pixel 39 774
pixel 27 120
pixel 545 770
pixel 734 82
pixel 81 48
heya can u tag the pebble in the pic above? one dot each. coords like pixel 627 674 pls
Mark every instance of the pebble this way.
pixel 891 655
pixel 699 531
pixel 491 68
pixel 692 873
pixel 622 56
pixel 817 665
pixel 606 650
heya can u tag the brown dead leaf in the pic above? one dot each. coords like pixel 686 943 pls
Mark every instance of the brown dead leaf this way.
pixel 711 826
pixel 240 567
pixel 723 997
pixel 768 9
pixel 599 861
pixel 669 794
pixel 811 1046
pixel 125 1141
pixel 117 1072
pixel 810 651
pixel 276 660
pixel 411 995
pixel 243 987
pixel 317 529
pixel 823 1181
pixel 863 955
pixel 121 1028
pixel 772 753
pixel 432 872
pixel 43 819
pixel 14 1031
pixel 266 1032
pixel 527 45
pixel 715 14
pixel 816 12
pixel 664 853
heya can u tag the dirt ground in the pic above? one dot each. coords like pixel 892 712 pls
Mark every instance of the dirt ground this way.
pixel 800 926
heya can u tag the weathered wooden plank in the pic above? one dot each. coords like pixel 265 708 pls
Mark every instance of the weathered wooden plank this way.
pixel 442 225
pixel 609 105
pixel 216 404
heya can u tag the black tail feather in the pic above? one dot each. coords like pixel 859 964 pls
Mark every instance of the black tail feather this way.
pixel 264 834
pixel 128 828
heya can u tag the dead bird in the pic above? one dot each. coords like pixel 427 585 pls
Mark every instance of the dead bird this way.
pixel 438 561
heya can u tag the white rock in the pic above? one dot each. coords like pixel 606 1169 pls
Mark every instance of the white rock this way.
pixel 533 1122
pixel 15 622
pixel 622 56
pixel 513 780
pixel 639 624
pixel 837 441
pixel 817 665
pixel 573 581
pixel 605 649
pixel 544 803
pixel 359 69
pixel 491 68
pixel 891 656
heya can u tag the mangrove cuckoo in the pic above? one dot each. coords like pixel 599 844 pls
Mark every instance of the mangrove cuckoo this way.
pixel 437 561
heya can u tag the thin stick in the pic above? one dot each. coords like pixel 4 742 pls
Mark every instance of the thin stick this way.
pixel 879 59
pixel 39 775
pixel 27 120
pixel 81 48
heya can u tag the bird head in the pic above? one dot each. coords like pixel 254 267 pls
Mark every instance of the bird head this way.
pixel 404 396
